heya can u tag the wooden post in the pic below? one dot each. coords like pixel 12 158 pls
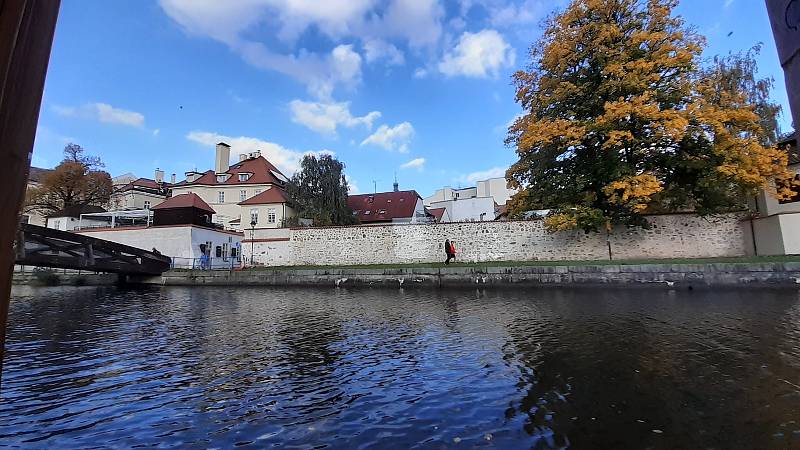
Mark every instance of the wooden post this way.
pixel 26 36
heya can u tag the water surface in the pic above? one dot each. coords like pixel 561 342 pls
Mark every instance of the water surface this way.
pixel 218 367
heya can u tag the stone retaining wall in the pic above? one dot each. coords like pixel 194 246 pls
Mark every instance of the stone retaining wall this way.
pixel 649 275
pixel 670 236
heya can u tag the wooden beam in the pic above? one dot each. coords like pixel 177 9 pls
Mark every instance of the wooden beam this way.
pixel 26 36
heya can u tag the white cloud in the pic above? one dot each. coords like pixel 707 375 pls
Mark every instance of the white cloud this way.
pixel 480 55
pixel 417 21
pixel 420 73
pixel 378 49
pixel 373 22
pixel 728 3
pixel 102 112
pixel 326 117
pixel 391 138
pixel 156 132
pixel 474 177
pixel 288 161
pixel 524 13
pixel 352 187
pixel 417 163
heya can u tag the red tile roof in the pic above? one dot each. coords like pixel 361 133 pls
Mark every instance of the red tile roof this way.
pixel 272 195
pixel 383 206
pixel 190 200
pixel 261 170
pixel 437 213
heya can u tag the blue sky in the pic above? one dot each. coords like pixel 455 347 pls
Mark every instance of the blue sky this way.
pixel 420 88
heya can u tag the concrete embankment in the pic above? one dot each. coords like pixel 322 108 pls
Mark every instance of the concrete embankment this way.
pixel 652 275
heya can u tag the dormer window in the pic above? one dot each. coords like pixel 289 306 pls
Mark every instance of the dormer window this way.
pixel 222 178
pixel 244 176
pixel 366 213
pixel 383 211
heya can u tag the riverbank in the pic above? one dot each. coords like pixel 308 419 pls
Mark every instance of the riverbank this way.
pixel 753 272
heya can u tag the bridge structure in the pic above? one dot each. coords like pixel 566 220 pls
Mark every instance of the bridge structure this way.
pixel 47 247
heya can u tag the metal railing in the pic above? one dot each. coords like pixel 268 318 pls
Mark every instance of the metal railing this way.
pixel 209 263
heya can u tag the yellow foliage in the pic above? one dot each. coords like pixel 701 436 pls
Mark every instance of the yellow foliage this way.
pixel 560 222
pixel 634 192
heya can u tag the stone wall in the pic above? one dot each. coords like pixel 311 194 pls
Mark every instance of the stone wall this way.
pixel 670 236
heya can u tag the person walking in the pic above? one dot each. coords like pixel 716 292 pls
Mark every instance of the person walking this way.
pixel 448 251
pixel 453 249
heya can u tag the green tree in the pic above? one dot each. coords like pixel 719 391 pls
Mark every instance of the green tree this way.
pixel 76 182
pixel 319 191
pixel 622 119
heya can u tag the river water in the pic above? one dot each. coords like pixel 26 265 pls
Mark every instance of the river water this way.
pixel 218 367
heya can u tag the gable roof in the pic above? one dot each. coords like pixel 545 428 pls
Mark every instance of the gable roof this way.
pixel 190 200
pixel 383 206
pixel 261 170
pixel 437 213
pixel 272 195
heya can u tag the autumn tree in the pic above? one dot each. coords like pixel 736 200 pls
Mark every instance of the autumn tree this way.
pixel 319 191
pixel 78 181
pixel 621 118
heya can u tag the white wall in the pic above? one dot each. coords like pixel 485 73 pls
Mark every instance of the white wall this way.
pixel 497 188
pixel 70 223
pixel 181 242
pixel 469 209
pixel 134 200
pixel 281 211
pixel 790 229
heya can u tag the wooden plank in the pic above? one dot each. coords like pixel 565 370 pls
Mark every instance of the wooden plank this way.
pixel 26 36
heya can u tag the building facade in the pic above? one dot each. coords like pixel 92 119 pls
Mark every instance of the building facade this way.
pixel 481 202
pixel 141 193
pixel 225 187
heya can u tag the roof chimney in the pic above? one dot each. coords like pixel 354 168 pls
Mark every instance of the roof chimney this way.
pixel 396 184
pixel 223 158
pixel 172 179
pixel 159 175
pixel 242 156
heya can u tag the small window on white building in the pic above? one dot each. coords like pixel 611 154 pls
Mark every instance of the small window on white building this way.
pixel 244 176
pixel 222 178
pixel 254 215
pixel 146 204
pixel 242 195
pixel 222 196
pixel 58 225
pixel 258 191
pixel 271 215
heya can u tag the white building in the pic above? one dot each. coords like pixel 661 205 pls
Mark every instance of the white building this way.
pixel 476 203
pixel 776 230
pixel 181 230
pixel 471 209
pixel 140 193
pixel 69 219
pixel 225 187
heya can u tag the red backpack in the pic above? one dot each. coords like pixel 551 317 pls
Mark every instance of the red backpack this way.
pixel 452 248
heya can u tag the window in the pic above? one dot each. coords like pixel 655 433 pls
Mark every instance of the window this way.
pixel 383 211
pixel 58 225
pixel 146 204
pixel 254 215
pixel 257 191
pixel 222 178
pixel 244 176
pixel 355 213
pixel 242 195
pixel 366 213
pixel 271 215
pixel 221 196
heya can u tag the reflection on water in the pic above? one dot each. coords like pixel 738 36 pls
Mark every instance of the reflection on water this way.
pixel 214 367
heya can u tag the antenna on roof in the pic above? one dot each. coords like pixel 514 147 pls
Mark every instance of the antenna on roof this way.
pixel 374 186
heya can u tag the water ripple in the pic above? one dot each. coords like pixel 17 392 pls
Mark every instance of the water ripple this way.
pixel 222 367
